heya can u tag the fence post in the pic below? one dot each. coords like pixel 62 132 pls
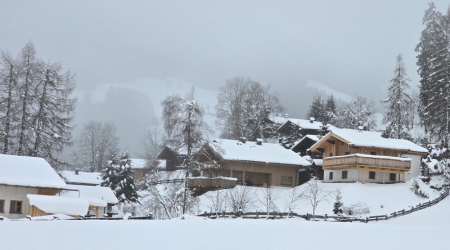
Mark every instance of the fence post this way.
pixel 325 217
pixel 376 217
pixel 385 216
pixel 395 214
pixel 403 211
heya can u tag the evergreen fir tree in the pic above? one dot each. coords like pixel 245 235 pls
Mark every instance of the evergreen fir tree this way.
pixel 118 175
pixel 330 109
pixel 337 207
pixel 398 103
pixel 317 109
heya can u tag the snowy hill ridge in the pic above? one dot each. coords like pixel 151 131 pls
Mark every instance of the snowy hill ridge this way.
pixel 328 91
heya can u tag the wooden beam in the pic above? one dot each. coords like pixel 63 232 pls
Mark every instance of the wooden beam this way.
pixel 363 176
pixel 383 176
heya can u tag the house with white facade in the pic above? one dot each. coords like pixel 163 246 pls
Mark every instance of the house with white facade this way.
pixel 86 185
pixel 28 186
pixel 365 156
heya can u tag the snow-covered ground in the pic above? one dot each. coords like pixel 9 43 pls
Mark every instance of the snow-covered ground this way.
pixel 425 229
pixel 378 198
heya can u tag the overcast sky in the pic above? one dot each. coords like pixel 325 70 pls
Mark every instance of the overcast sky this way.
pixel 348 45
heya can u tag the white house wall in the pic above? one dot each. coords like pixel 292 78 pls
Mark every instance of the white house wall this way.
pixel 415 166
pixel 9 193
pixel 356 176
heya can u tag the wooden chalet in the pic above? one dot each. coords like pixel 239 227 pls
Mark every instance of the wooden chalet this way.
pixel 173 158
pixel 288 126
pixel 365 156
pixel 251 163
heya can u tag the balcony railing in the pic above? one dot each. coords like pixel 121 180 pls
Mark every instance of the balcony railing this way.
pixel 211 183
pixel 368 161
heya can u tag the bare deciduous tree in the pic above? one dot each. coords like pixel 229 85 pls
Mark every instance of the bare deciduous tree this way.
pixel 293 199
pixel 153 144
pixel 95 145
pixel 270 195
pixel 243 107
pixel 314 194
pixel 241 198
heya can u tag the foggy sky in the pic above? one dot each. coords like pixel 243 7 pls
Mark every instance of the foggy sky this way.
pixel 348 45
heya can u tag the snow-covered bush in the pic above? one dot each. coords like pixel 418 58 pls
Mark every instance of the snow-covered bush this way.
pixel 356 209
pixel 417 190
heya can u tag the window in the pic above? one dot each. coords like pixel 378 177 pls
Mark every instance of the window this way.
pixel 15 207
pixel 2 206
pixel 286 180
pixel 392 177
pixel 372 175
pixel 373 153
pixel 344 174
pixel 330 176
pixel 238 176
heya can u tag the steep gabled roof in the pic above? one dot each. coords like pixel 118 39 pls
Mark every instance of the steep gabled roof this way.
pixel 370 139
pixel 302 123
pixel 250 151
pixel 28 171
pixel 313 138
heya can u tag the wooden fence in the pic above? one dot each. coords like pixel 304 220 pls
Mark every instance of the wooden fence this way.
pixel 277 215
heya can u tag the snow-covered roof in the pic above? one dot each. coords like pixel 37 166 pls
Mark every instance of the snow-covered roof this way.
pixel 312 137
pixel 372 156
pixel 302 123
pixel 137 163
pixel 82 177
pixel 373 139
pixel 250 151
pixel 96 195
pixel 58 204
pixel 28 171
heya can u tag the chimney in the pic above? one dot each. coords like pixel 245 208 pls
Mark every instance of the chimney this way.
pixel 259 141
pixel 360 128
pixel 286 116
pixel 311 119
pixel 77 170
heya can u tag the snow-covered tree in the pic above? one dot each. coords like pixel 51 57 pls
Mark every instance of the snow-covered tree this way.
pixel 118 175
pixel 359 112
pixel 29 79
pixel 183 122
pixel 433 60
pixel 331 111
pixel 317 109
pixel 314 194
pixel 95 145
pixel 337 206
pixel 54 107
pixel 9 76
pixel 398 103
pixel 36 106
pixel 243 108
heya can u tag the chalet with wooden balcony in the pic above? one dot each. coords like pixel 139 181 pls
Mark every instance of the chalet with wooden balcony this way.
pixel 365 156
pixel 252 163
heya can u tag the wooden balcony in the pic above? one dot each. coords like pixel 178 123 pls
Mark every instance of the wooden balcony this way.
pixel 362 161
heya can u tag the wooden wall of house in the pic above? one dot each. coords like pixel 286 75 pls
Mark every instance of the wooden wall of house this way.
pixel 274 171
pixel 342 148
pixel 34 211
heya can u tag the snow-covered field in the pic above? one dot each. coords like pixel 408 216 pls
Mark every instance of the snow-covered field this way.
pixel 425 229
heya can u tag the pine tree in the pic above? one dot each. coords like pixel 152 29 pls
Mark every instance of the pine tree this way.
pixel 317 109
pixel 29 76
pixel 9 75
pixel 359 112
pixel 398 103
pixel 118 175
pixel 330 109
pixel 337 207
pixel 54 112
pixel 433 61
